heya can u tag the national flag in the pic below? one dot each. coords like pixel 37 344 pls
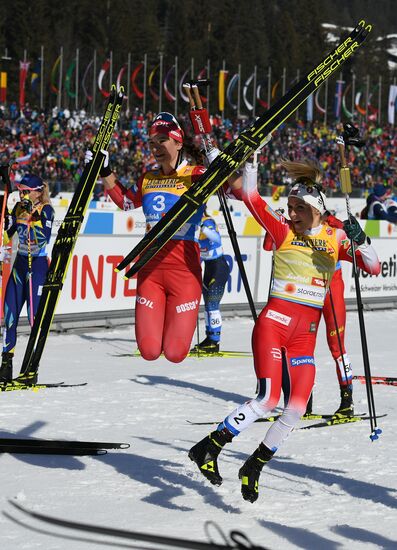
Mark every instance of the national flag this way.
pixel 23 71
pixel 3 87
pixel 392 103
pixel 221 89
pixel 36 77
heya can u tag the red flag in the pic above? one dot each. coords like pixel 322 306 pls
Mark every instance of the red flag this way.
pixel 23 71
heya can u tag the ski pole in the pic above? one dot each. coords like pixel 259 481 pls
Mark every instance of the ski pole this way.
pixel 30 273
pixel 202 126
pixel 350 137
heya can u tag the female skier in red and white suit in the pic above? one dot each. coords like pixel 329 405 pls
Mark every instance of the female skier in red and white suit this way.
pixel 306 254
pixel 169 286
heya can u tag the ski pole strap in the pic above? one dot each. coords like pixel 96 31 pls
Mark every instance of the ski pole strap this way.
pixel 198 116
pixel 200 121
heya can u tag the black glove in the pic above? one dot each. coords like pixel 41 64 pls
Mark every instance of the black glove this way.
pixel 353 230
pixel 27 204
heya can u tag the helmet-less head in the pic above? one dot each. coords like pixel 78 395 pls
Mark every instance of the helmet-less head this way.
pixel 306 201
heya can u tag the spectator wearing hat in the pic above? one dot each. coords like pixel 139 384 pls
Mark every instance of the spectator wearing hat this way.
pixel 380 204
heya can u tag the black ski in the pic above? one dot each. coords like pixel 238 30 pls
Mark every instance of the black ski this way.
pixel 238 152
pixel 44 450
pixel 67 236
pixel 57 447
pixel 277 416
pixel 17 386
pixel 340 420
pixel 197 354
pixel 238 541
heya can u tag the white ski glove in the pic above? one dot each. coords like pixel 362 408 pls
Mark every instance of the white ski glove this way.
pixel 212 154
pixel 89 155
pixel 105 170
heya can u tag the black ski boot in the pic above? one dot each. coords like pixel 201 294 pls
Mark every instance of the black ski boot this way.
pixel 205 454
pixel 27 379
pixel 6 367
pixel 251 470
pixel 346 407
pixel 206 346
pixel 309 406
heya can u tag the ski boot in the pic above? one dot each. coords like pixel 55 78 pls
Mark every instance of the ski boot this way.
pixel 251 470
pixel 346 407
pixel 309 406
pixel 206 451
pixel 208 346
pixel 6 367
pixel 27 379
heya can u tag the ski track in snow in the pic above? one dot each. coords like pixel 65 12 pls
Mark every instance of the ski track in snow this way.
pixel 330 488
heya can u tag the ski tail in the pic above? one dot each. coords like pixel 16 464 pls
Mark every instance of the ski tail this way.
pixel 386 380
pixel 18 386
pixel 239 150
pixel 67 236
pixel 61 444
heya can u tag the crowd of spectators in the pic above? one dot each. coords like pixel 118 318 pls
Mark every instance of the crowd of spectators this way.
pixel 52 144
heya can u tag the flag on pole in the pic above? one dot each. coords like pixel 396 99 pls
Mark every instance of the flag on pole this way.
pixel 392 103
pixel 309 108
pixel 3 87
pixel 221 89
pixel 35 77
pixel 338 98
pixel 23 71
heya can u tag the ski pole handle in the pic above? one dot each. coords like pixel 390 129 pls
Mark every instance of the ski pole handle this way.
pixel 344 172
pixel 197 97
pixel 189 95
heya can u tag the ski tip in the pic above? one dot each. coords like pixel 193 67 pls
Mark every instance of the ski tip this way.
pixel 125 278
pixel 116 270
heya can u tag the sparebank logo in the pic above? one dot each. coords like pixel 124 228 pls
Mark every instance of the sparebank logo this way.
pixel 303 360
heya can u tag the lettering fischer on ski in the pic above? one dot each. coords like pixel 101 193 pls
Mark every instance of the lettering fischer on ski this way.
pixel 333 61
pixel 237 152
pixel 67 237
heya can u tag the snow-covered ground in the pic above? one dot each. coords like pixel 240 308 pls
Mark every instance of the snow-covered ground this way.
pixel 330 488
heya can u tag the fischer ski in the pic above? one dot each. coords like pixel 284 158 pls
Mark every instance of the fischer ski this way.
pixel 277 416
pixel 229 354
pixel 44 450
pixel 235 541
pixel 200 355
pixel 66 238
pixel 238 152
pixel 57 447
pixel 386 380
pixel 340 420
pixel 16 386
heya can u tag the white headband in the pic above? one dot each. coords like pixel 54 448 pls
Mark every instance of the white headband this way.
pixel 309 194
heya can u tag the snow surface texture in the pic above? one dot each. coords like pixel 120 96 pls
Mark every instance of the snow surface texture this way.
pixel 330 488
